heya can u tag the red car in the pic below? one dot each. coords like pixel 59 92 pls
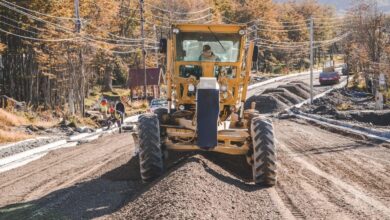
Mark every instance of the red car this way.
pixel 327 78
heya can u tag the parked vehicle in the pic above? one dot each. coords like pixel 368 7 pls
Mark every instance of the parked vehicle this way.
pixel 158 103
pixel 328 78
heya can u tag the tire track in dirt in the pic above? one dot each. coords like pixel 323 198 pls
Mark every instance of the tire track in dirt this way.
pixel 29 174
pixel 62 168
pixel 75 175
pixel 349 166
pixel 284 204
pixel 340 159
pixel 336 182
pixel 300 195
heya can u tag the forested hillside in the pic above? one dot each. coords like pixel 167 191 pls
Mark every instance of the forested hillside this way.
pixel 45 61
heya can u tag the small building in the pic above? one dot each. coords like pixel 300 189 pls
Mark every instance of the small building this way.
pixel 136 82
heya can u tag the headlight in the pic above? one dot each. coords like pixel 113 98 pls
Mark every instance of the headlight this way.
pixel 191 88
pixel 181 107
pixel 242 32
pixel 223 88
pixel 175 30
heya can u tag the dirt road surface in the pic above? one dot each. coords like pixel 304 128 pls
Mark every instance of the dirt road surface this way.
pixel 322 175
pixel 303 78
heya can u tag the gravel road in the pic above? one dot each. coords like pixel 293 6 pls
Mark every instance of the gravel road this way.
pixel 304 78
pixel 321 175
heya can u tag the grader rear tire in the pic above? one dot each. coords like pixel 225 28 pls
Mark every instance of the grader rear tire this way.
pixel 150 155
pixel 264 152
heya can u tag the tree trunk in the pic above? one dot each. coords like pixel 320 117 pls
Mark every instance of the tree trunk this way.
pixel 107 80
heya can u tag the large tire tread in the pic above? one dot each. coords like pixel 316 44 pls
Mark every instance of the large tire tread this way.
pixel 150 155
pixel 264 152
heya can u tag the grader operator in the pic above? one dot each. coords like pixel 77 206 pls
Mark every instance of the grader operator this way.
pixel 208 72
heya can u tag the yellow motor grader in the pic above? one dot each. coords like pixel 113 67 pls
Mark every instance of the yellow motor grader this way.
pixel 207 77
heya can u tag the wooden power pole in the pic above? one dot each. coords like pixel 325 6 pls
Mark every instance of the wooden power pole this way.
pixel 141 3
pixel 78 30
pixel 311 59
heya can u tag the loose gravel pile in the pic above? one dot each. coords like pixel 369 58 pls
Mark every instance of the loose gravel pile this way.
pixel 280 98
pixel 199 189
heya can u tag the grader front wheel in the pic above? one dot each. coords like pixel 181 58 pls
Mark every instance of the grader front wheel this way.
pixel 150 155
pixel 264 152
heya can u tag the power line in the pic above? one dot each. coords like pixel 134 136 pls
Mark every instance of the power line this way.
pixel 43 39
pixel 36 12
pixel 36 18
pixel 183 20
pixel 179 13
pixel 13 26
pixel 85 37
pixel 19 22
pixel 276 30
pixel 39 39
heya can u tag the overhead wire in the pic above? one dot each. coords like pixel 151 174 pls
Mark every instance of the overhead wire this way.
pixel 16 27
pixel 85 37
pixel 179 13
pixel 183 20
pixel 40 39
pixel 19 22
pixel 36 12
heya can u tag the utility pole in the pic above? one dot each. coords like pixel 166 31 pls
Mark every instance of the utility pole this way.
pixel 170 13
pixel 156 44
pixel 141 3
pixel 311 59
pixel 256 37
pixel 78 30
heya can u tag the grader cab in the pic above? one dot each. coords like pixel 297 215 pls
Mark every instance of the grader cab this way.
pixel 208 72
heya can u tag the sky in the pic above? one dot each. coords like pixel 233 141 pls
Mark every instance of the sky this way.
pixel 342 5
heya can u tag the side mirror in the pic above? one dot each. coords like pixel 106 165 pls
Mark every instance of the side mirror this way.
pixel 163 45
pixel 255 55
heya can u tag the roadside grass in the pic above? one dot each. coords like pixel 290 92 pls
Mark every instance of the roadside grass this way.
pixel 8 119
pixel 76 121
pixel 13 136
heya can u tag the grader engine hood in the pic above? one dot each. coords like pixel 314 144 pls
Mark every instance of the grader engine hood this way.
pixel 207 112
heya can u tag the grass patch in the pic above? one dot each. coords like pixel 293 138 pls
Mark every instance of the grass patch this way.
pixel 8 119
pixel 13 136
pixel 76 121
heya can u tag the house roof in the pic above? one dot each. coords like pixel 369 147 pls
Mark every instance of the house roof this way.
pixel 137 77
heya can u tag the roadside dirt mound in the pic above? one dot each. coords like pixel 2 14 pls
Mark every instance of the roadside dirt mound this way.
pixel 350 105
pixel 295 89
pixel 199 189
pixel 301 85
pixel 284 93
pixel 278 99
pixel 266 104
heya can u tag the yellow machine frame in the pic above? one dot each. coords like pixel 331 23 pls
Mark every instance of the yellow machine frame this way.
pixel 228 133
